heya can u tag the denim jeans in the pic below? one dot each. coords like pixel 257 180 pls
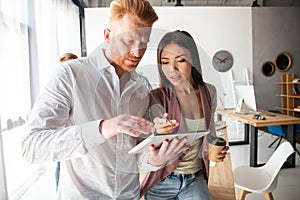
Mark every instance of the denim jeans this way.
pixel 180 187
pixel 57 172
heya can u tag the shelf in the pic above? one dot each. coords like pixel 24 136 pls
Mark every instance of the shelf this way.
pixel 297 109
pixel 288 109
pixel 289 83
pixel 287 96
pixel 289 101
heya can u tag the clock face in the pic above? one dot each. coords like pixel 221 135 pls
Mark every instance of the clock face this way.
pixel 222 61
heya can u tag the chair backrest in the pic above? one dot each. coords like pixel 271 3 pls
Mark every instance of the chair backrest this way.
pixel 297 128
pixel 275 111
pixel 280 130
pixel 278 158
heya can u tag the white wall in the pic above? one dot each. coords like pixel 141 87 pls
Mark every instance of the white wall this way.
pixel 213 28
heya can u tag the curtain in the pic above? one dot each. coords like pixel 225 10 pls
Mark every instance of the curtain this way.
pixel 33 34
pixel 57 32
pixel 14 70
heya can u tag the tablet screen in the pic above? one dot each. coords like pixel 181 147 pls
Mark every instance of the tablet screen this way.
pixel 156 139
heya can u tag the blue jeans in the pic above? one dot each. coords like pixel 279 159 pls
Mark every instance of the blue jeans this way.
pixel 57 172
pixel 180 187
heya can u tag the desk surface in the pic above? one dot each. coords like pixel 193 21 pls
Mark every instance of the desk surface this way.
pixel 220 182
pixel 271 118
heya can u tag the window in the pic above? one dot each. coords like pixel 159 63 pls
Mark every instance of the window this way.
pixel 14 71
pixel 34 34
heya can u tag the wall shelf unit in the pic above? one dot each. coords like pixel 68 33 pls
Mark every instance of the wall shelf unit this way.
pixel 289 95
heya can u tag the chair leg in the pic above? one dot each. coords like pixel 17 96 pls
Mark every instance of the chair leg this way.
pixel 268 196
pixel 297 151
pixel 273 142
pixel 278 143
pixel 242 194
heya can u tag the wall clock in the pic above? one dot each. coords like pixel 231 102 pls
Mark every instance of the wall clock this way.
pixel 222 61
pixel 268 68
pixel 283 61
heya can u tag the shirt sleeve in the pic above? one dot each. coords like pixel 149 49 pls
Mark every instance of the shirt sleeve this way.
pixel 213 95
pixel 50 134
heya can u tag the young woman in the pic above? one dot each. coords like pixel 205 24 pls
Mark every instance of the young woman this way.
pixel 190 104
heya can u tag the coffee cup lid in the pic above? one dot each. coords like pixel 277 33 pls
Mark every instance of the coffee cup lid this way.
pixel 218 141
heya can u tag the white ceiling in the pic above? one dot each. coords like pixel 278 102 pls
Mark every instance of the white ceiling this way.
pixel 105 3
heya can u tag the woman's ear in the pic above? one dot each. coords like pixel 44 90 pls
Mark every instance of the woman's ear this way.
pixel 107 34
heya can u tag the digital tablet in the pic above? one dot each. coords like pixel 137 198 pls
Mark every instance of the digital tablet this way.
pixel 220 126
pixel 157 139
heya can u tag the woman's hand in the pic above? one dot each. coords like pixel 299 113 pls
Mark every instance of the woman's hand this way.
pixel 221 156
pixel 164 124
pixel 169 151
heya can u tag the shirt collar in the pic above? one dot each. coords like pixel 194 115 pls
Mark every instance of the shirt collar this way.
pixel 97 58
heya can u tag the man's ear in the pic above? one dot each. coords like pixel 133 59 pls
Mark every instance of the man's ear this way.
pixel 107 34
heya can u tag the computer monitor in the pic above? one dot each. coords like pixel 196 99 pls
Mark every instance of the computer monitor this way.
pixel 246 92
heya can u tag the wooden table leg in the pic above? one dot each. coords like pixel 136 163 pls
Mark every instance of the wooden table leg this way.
pixel 291 137
pixel 219 117
pixel 253 146
pixel 246 137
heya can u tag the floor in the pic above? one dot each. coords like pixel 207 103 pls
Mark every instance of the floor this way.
pixel 41 180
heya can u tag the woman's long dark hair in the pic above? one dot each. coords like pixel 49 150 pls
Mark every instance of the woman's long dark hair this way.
pixel 185 40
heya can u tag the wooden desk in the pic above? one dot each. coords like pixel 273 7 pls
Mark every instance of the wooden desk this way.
pixel 221 112
pixel 220 182
pixel 271 120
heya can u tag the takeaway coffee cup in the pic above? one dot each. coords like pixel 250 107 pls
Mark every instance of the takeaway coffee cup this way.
pixel 215 146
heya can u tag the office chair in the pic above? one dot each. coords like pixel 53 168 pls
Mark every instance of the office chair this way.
pixel 262 180
pixel 280 131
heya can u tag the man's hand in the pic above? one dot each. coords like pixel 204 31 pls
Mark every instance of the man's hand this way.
pixel 169 151
pixel 164 125
pixel 128 124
